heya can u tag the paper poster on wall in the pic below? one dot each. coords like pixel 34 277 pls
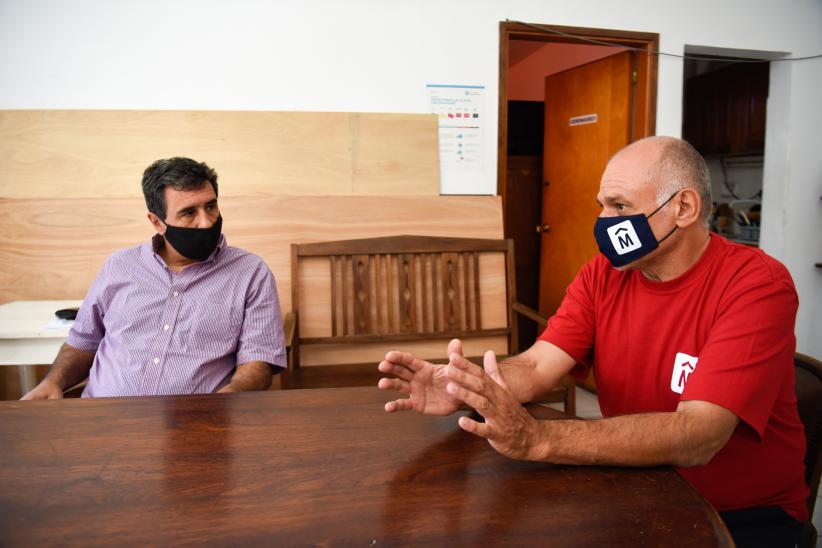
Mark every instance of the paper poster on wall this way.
pixel 461 120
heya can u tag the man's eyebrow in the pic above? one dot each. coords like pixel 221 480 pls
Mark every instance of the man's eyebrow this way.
pixel 616 198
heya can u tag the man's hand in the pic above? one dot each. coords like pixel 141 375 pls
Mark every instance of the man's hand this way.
pixel 69 368
pixel 46 390
pixel 424 382
pixel 508 427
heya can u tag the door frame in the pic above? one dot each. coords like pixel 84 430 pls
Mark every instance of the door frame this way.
pixel 647 42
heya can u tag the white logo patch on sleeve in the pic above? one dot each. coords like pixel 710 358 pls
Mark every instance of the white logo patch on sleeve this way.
pixel 684 365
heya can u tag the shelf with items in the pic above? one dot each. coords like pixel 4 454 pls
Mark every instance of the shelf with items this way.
pixel 738 221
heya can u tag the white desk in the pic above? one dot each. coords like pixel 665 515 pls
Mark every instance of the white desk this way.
pixel 25 339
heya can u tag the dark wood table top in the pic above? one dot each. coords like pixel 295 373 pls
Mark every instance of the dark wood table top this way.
pixel 310 467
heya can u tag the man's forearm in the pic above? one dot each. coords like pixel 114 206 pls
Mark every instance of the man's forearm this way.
pixel 249 376
pixel 70 367
pixel 689 436
pixel 678 438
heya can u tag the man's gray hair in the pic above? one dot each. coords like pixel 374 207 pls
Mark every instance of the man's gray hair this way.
pixel 679 166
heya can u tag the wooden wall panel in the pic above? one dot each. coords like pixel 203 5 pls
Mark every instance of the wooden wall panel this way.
pixel 52 249
pixel 102 153
pixel 399 152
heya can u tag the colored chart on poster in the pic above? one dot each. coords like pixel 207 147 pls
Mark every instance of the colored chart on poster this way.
pixel 461 120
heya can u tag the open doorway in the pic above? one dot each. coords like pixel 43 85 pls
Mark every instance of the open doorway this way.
pixel 724 113
pixel 549 251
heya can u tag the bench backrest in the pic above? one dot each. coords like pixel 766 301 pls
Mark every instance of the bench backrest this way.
pixel 408 288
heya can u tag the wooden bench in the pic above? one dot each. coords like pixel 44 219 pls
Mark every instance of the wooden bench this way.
pixel 415 293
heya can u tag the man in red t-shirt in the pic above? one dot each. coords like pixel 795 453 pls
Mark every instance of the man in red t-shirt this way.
pixel 691 342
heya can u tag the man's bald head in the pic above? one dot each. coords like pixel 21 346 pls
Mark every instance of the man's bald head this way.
pixel 672 164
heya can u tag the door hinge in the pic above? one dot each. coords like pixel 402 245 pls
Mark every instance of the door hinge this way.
pixel 633 77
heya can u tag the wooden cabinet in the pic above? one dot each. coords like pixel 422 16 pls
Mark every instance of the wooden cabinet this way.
pixel 725 109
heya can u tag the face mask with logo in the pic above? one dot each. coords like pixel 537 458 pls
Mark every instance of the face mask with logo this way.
pixel 194 243
pixel 628 238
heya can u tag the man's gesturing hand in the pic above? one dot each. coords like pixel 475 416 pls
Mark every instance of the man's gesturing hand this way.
pixel 424 382
pixel 508 427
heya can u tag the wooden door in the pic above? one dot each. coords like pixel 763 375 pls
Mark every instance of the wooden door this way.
pixel 588 113
pixel 523 199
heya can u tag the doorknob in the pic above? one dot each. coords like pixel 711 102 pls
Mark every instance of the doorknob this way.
pixel 544 228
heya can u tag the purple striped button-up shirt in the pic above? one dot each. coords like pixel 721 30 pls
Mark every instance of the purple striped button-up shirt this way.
pixel 157 332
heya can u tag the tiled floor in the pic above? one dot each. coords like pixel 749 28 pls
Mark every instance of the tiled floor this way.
pixel 587 407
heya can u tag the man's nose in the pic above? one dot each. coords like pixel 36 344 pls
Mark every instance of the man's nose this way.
pixel 203 220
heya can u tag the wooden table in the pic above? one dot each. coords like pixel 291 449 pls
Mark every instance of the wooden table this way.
pixel 310 467
pixel 27 338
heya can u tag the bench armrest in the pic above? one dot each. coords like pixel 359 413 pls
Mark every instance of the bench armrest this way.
pixel 75 391
pixel 290 329
pixel 291 333
pixel 528 312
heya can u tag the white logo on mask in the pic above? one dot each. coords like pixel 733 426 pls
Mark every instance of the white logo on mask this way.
pixel 624 238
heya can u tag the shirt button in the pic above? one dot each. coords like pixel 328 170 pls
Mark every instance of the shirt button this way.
pixel 176 293
pixel 165 327
pixel 156 360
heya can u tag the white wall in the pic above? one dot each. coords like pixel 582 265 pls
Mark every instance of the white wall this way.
pixel 377 56
pixel 745 179
pixel 792 189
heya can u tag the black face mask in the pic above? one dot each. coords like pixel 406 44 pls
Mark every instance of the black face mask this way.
pixel 194 243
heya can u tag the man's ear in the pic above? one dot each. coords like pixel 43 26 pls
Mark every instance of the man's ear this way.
pixel 688 206
pixel 155 221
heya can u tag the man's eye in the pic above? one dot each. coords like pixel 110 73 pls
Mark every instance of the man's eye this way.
pixel 620 207
pixel 188 213
pixel 211 207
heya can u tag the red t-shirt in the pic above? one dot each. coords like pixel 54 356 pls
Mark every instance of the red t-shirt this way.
pixel 723 332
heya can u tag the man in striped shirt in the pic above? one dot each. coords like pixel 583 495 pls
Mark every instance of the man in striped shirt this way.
pixel 181 314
